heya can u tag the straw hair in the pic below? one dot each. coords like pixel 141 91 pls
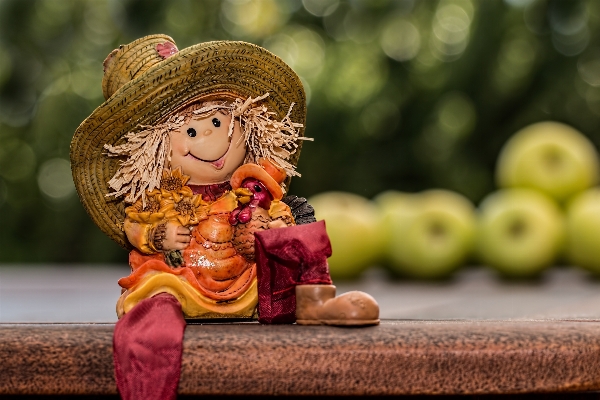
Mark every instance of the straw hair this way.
pixel 148 153
pixel 264 136
pixel 213 70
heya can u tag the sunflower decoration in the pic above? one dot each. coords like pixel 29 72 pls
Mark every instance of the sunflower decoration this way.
pixel 187 209
pixel 178 202
pixel 172 185
pixel 151 212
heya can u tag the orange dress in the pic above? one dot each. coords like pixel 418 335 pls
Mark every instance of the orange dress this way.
pixel 217 279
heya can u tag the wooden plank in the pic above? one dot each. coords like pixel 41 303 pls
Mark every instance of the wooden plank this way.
pixel 396 358
pixel 56 359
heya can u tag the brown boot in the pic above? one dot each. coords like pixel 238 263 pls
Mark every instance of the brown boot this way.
pixel 317 305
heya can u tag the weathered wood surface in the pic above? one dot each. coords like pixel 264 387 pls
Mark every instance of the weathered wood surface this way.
pixel 397 357
pixel 475 334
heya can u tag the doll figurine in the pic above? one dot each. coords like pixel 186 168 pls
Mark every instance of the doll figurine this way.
pixel 187 164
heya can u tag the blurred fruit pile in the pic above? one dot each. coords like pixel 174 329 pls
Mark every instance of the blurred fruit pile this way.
pixel 546 211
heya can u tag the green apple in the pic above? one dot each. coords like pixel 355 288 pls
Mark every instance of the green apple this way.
pixel 583 230
pixel 428 234
pixel 520 232
pixel 552 157
pixel 352 223
pixel 395 208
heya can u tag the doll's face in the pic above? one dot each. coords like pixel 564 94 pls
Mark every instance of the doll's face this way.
pixel 204 151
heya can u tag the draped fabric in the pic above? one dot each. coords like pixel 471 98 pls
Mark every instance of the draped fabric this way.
pixel 147 347
pixel 285 258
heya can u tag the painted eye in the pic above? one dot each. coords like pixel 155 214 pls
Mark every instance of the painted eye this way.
pixel 216 122
pixel 191 132
pixel 257 189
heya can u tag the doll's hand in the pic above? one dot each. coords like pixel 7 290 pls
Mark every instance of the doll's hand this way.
pixel 176 237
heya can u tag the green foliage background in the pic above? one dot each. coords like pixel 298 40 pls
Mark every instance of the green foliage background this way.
pixel 404 94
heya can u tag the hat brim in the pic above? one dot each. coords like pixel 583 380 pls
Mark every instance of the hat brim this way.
pixel 206 69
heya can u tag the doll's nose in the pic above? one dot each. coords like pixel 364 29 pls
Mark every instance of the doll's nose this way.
pixel 207 132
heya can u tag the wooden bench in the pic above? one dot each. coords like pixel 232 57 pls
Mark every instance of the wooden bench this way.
pixel 546 339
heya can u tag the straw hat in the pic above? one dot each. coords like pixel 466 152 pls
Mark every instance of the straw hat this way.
pixel 148 80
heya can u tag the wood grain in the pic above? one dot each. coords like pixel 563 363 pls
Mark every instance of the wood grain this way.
pixel 395 358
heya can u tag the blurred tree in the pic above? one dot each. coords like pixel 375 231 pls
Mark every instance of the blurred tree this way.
pixel 403 94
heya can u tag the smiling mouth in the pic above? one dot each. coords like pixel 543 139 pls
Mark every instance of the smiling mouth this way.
pixel 218 163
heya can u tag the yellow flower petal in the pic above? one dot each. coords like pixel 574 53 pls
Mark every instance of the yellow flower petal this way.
pixel 144 215
pixel 177 173
pixel 171 214
pixel 186 191
pixel 166 207
pixel 156 217
pixel 183 219
pixel 134 216
pixel 196 201
pixel 166 203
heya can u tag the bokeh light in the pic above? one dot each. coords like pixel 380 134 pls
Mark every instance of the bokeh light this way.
pixel 360 28
pixel 55 179
pixel 519 3
pixel 400 39
pixel 334 22
pixel 570 33
pixel 178 19
pixel 302 48
pixel 589 67
pixel 402 94
pixel 571 45
pixel 456 115
pixel 17 159
pixel 515 61
pixel 101 29
pixel 253 18
pixel 355 75
pixel 50 17
pixel 84 82
pixel 320 8
pixel 451 30
pixel 454 118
